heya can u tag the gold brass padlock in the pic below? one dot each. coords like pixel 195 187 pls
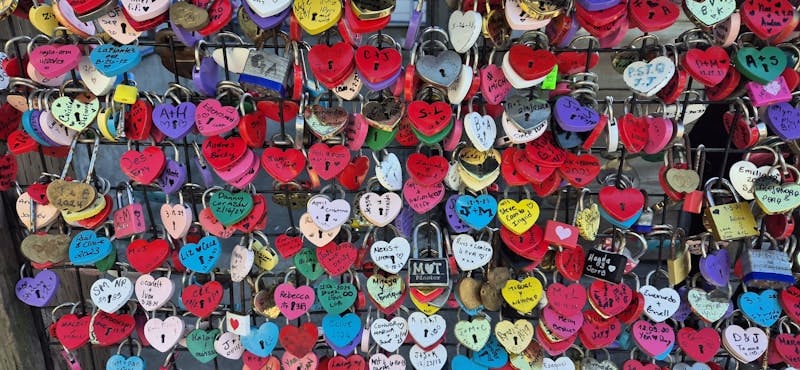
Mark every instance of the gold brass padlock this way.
pixel 679 261
pixel 730 221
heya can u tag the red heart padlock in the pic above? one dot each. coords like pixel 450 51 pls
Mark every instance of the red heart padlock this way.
pixel 220 13
pixel 336 258
pixel 570 262
pixel 789 299
pixel 145 256
pixel 328 161
pixel 567 300
pixel 621 204
pixel 427 170
pixel 633 132
pixel 56 151
pixel 354 174
pixel 332 64
pixel 597 332
pixel 19 142
pixel 532 172
pixel 212 226
pixel 652 15
pixel 634 310
pixel 601 18
pixel 766 18
pixel 145 166
pixel 530 64
pixel 609 299
pixel 299 340
pixel 545 151
pixel 571 62
pixel 283 165
pixel 98 219
pixel 552 348
pixel 254 362
pixel 361 26
pixel 405 135
pixel 632 364
pixel 38 193
pixel 508 168
pixel 377 65
pixel 13 67
pixel 288 246
pixel 73 331
pixel 528 245
pixel 701 345
pixel 675 87
pixel 145 25
pixel 791 77
pixel 222 153
pixel 744 134
pixel 429 118
pixel 427 295
pixel 111 328
pixel 559 27
pixel 353 362
pixel 548 187
pixel 253 129
pixel 726 87
pixel 139 120
pixel 707 66
pixel 274 109
pixel 10 119
pixel 202 300
pixel 580 170
pixel 256 216
pixel 8 171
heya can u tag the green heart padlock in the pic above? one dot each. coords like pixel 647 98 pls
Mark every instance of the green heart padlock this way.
pixel 378 139
pixel 307 264
pixel 230 208
pixel 762 66
pixel 200 344
pixel 436 138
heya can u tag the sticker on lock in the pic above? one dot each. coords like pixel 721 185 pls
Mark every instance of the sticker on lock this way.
pixel 432 270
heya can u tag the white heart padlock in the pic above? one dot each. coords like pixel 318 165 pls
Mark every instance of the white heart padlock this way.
pixel 109 296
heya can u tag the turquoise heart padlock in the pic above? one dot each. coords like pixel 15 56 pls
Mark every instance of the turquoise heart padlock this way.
pixel 624 338
pixel 200 343
pixel 88 248
pixel 202 256
pixel 261 340
pixel 342 333
pixel 477 212
pixel 229 208
pixel 307 264
pixel 763 309
pixel 120 362
pixel 492 355
pixel 113 60
pixel 626 224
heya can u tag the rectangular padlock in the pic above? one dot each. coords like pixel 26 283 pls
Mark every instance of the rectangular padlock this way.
pixel 731 221
pixel 430 271
pixel 766 268
pixel 266 72
pixel 604 265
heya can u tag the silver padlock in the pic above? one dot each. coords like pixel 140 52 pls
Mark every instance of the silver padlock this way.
pixel 767 268
pixel 267 72
pixel 433 270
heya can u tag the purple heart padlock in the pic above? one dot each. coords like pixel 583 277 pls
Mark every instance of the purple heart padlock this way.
pixel 597 5
pixel 715 267
pixel 574 117
pixel 38 290
pixel 188 38
pixel 684 309
pixel 206 77
pixel 784 120
pixel 456 225
pixel 350 346
pixel 385 84
pixel 175 121
pixel 173 177
pixel 405 221
pixel 266 22
pixel 36 126
pixel 205 171
pixel 413 26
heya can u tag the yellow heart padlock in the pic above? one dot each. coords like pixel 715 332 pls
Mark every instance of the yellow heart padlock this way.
pixel 587 219
pixel 523 295
pixel 103 124
pixel 425 308
pixel 42 17
pixel 316 16
pixel 518 216
pixel 514 337
pixel 266 258
pixel 92 210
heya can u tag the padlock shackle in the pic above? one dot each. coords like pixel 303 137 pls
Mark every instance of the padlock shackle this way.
pixel 415 238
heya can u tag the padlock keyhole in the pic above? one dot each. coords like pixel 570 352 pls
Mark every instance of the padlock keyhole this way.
pixel 202 260
pixel 426 333
pixel 527 116
pixel 124 26
pixel 109 298
pixel 530 64
pixel 261 342
pixel 163 338
pixel 516 341
pixel 314 16
pixel 77 116
pixel 38 295
pixel 202 303
pixel 441 70
pixel 474 338
pixel 375 66
pixel 327 217
pixel 330 65
pixel 380 211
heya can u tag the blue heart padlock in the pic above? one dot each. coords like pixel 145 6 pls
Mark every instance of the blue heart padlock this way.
pixel 597 5
pixel 462 362
pixel 762 309
pixel 262 340
pixel 666 353
pixel 623 340
pixel 491 355
pixel 113 60
pixel 87 248
pixel 622 224
pixel 203 256
pixel 120 362
pixel 477 212
pixel 340 331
